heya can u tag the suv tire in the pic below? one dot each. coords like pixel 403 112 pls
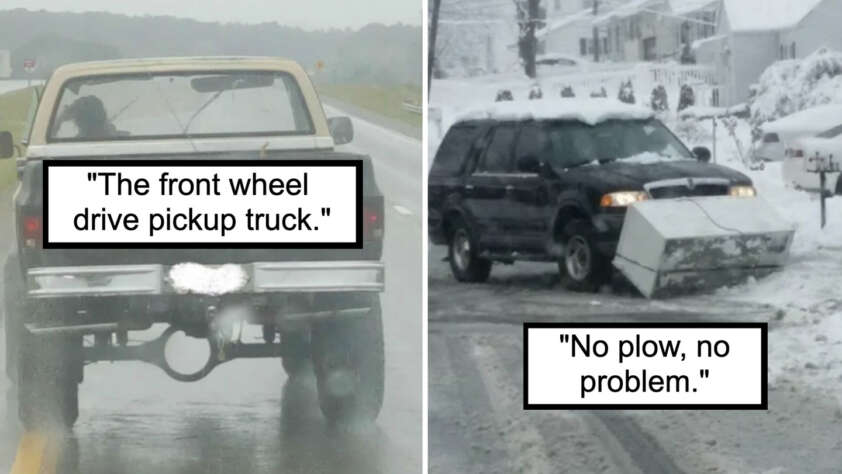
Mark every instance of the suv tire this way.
pixel 348 360
pixel 465 263
pixel 581 266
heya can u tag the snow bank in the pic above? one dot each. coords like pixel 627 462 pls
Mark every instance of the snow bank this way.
pixel 793 85
pixel 588 111
pixel 201 279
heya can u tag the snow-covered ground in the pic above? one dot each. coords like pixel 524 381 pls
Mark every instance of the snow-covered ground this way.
pixel 805 344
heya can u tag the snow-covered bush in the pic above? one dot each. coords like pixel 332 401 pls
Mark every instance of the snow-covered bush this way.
pixel 504 95
pixel 659 100
pixel 626 92
pixel 567 92
pixel 687 98
pixel 793 85
pixel 600 93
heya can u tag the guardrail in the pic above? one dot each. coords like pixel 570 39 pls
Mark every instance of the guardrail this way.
pixel 412 108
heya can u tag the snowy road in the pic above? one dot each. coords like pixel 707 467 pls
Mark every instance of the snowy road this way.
pixel 247 416
pixel 477 423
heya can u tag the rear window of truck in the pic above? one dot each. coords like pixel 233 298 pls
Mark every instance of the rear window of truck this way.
pixel 180 105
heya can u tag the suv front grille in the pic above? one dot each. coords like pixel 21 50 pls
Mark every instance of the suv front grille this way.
pixel 687 187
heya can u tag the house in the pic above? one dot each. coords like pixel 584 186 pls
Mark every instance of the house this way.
pixel 753 34
pixel 569 27
pixel 634 31
pixel 656 30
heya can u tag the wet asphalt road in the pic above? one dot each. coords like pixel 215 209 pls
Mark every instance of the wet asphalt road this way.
pixel 247 416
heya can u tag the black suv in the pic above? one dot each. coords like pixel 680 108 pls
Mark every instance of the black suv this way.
pixel 556 190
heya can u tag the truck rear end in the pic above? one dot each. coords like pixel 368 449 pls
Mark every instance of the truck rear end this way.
pixel 318 306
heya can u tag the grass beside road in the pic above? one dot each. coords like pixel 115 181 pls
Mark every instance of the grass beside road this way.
pixel 382 100
pixel 14 118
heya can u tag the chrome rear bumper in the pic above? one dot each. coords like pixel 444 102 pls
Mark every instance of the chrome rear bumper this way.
pixel 263 277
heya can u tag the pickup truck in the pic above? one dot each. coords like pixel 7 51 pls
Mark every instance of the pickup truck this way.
pixel 66 308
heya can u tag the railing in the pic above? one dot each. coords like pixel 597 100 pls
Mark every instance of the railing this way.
pixel 412 107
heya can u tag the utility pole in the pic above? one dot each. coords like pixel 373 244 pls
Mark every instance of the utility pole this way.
pixel 595 32
pixel 527 41
pixel 431 51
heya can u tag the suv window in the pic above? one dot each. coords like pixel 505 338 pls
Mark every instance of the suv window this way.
pixel 454 149
pixel 576 144
pixel 498 155
pixel 533 141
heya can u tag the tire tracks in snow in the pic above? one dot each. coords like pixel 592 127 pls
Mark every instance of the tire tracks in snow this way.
pixel 485 364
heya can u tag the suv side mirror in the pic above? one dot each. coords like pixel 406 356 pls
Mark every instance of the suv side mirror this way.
pixel 529 164
pixel 702 154
pixel 7 145
pixel 341 129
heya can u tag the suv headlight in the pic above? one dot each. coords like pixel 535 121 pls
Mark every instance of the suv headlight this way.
pixel 622 198
pixel 742 191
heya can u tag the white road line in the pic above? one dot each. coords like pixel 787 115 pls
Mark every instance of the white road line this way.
pixel 402 210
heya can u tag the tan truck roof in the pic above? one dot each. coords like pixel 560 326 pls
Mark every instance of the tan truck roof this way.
pixel 175 64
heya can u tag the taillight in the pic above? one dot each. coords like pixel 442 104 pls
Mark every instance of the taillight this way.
pixel 31 231
pixel 373 219
pixel 795 153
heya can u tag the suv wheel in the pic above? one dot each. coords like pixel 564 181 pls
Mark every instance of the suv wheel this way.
pixel 48 390
pixel 465 264
pixel 348 361
pixel 581 266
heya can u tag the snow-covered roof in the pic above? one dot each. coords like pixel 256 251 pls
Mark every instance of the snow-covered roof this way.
pixel 589 111
pixel 764 15
pixel 685 7
pixel 813 120
pixel 628 9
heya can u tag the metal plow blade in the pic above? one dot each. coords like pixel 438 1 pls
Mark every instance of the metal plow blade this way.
pixel 678 246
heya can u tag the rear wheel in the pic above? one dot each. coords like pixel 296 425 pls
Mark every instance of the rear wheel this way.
pixel 581 266
pixel 465 262
pixel 348 360
pixel 296 360
pixel 12 313
pixel 48 389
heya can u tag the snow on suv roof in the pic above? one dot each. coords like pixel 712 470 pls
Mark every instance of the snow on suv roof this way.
pixel 589 111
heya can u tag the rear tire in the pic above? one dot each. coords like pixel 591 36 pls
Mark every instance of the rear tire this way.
pixel 348 360
pixel 13 294
pixel 581 266
pixel 297 360
pixel 48 389
pixel 462 252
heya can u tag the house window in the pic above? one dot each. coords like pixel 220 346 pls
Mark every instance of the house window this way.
pixel 649 53
pixel 617 38
pixel 782 54
pixel 583 46
pixel 792 50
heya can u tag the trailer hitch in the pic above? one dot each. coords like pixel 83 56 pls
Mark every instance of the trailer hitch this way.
pixel 154 352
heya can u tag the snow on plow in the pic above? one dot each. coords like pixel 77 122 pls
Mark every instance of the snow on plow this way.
pixel 678 246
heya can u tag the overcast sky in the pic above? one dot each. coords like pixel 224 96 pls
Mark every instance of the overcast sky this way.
pixel 309 14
